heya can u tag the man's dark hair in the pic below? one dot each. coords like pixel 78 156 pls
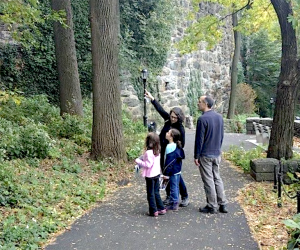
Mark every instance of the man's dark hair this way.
pixel 210 102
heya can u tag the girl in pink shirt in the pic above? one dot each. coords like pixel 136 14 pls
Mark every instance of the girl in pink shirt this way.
pixel 150 162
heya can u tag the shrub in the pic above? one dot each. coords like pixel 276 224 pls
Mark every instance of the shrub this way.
pixel 20 142
pixel 245 97
pixel 294 231
pixel 135 134
pixel 240 157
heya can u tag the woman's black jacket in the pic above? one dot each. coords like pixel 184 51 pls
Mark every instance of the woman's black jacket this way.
pixel 167 126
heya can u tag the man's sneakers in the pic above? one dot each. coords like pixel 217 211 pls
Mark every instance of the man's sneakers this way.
pixel 185 202
pixel 208 210
pixel 211 210
pixel 223 209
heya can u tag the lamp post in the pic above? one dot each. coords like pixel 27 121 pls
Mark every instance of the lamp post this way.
pixel 271 104
pixel 144 78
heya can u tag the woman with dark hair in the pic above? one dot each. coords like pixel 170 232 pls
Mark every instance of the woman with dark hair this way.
pixel 174 119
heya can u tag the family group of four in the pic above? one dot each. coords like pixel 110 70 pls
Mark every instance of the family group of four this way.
pixel 164 154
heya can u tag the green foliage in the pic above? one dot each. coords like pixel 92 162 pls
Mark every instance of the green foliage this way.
pixel 52 182
pixel 294 231
pixel 194 91
pixel 67 166
pixel 208 26
pixel 237 124
pixel 145 38
pixel 22 17
pixel 135 134
pixel 34 195
pixel 23 141
pixel 261 67
pixel 240 157
pixel 146 28
pixel 204 29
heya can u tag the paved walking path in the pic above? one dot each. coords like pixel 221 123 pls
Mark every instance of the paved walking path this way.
pixel 120 223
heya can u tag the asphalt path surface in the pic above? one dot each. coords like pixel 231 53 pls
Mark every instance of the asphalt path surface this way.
pixel 120 222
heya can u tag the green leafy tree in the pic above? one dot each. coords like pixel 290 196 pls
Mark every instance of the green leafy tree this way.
pixel 260 57
pixel 21 18
pixel 194 91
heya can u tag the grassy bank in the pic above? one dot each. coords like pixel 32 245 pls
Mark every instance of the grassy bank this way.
pixel 46 177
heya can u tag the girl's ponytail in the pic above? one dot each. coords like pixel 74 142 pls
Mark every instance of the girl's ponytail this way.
pixel 176 137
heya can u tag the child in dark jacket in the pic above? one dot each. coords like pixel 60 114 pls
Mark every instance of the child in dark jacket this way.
pixel 173 162
pixel 150 162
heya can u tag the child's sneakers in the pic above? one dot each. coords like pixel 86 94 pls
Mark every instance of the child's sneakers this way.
pixel 162 212
pixel 173 207
pixel 155 214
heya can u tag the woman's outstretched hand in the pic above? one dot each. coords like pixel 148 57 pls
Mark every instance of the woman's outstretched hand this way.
pixel 148 95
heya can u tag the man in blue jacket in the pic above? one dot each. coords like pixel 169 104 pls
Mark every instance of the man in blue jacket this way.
pixel 207 155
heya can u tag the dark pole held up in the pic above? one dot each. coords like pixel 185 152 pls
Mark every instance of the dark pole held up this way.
pixel 144 78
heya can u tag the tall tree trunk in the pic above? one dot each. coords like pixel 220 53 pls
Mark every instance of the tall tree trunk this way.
pixel 107 134
pixel 69 90
pixel 281 141
pixel 234 67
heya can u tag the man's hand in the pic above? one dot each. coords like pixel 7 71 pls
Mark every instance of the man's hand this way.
pixel 197 162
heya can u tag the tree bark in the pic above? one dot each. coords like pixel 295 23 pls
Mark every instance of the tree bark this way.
pixel 69 90
pixel 281 141
pixel 234 67
pixel 107 134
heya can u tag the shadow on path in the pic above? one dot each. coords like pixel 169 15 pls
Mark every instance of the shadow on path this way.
pixel 121 223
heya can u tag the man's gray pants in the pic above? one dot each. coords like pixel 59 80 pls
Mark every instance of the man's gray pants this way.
pixel 213 184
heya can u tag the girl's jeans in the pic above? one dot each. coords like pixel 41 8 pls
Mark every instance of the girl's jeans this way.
pixel 182 189
pixel 174 189
pixel 153 196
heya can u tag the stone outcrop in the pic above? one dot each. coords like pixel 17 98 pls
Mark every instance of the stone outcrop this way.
pixel 5 36
pixel 212 66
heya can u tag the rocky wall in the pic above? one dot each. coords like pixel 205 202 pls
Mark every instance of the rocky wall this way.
pixel 212 67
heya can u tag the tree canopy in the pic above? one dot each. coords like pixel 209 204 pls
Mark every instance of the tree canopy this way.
pixel 22 16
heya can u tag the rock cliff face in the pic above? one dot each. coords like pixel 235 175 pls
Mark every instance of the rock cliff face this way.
pixel 5 36
pixel 212 68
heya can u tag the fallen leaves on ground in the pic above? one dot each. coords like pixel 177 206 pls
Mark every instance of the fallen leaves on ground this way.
pixel 265 218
